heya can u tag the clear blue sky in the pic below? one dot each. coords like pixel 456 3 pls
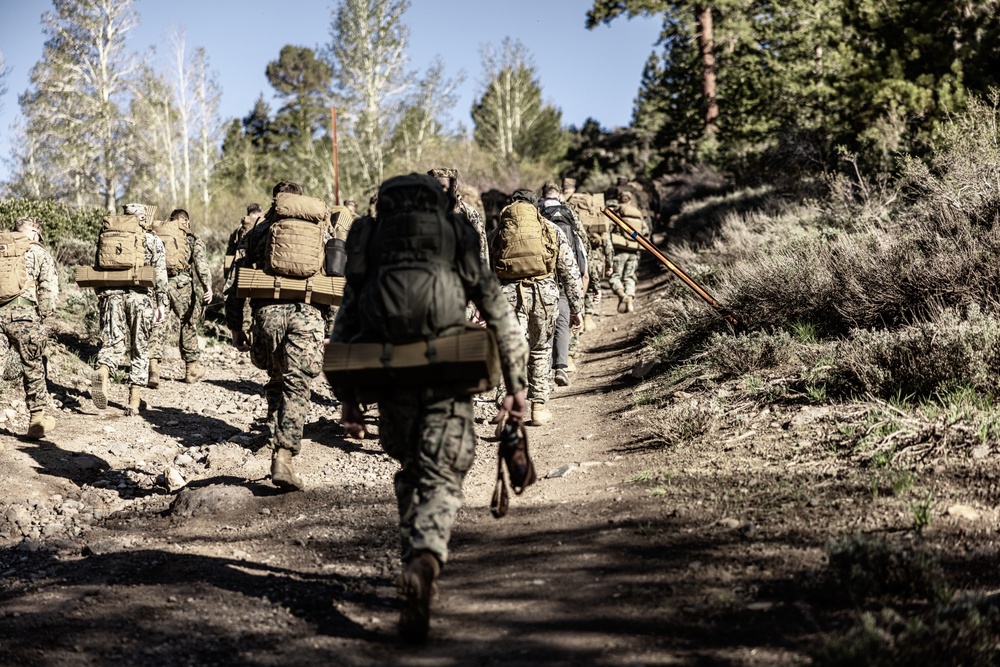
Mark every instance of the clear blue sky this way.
pixel 585 73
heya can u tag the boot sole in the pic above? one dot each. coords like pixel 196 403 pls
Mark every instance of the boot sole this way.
pixel 415 617
pixel 98 393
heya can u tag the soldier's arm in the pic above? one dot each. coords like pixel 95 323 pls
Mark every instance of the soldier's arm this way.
pixel 158 260
pixel 199 257
pixel 235 304
pixel 581 231
pixel 46 281
pixel 568 274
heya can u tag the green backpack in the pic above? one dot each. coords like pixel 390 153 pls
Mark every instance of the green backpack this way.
pixel 404 264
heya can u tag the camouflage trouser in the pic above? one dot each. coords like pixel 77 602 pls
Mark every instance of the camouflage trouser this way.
pixel 126 325
pixel 536 305
pixel 184 304
pixel 597 264
pixel 287 342
pixel 623 273
pixel 430 432
pixel 21 330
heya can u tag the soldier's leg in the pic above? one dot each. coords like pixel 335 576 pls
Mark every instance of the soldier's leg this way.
pixel 433 438
pixel 592 299
pixel 139 315
pixel 29 338
pixel 561 335
pixel 114 330
pixel 187 314
pixel 262 356
pixel 302 352
pixel 629 269
pixel 617 269
pixel 544 309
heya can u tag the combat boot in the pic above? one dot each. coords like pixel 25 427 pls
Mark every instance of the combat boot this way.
pixel 282 473
pixel 620 293
pixel 154 374
pixel 540 414
pixel 589 323
pixel 41 424
pixel 629 305
pixel 134 400
pixel 99 387
pixel 194 372
pixel 416 587
pixel 570 365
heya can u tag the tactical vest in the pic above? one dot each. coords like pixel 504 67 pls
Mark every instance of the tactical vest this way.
pixel 411 289
pixel 174 238
pixel 525 246
pixel 13 265
pixel 295 239
pixel 633 216
pixel 121 243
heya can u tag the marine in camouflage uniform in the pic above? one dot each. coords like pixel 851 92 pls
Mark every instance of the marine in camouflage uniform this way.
pixel 599 261
pixel 448 178
pixel 247 222
pixel 626 261
pixel 127 316
pixel 22 320
pixel 185 295
pixel 430 430
pixel 536 303
pixel 286 340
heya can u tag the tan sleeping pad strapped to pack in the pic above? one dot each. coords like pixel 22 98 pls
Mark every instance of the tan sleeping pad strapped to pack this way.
pixel 144 276
pixel 341 218
pixel 317 290
pixel 468 362
pixel 526 244
pixel 13 265
pixel 295 242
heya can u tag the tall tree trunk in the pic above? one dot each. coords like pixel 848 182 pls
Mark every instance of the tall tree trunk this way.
pixel 706 45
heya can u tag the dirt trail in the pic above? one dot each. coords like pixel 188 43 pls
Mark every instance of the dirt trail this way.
pixel 704 553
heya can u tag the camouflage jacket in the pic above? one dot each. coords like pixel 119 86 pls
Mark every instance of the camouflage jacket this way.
pixel 471 215
pixel 481 287
pixel 247 223
pixel 156 257
pixel 197 260
pixel 252 253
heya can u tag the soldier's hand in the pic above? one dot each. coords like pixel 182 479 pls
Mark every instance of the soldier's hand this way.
pixel 159 314
pixel 515 406
pixel 576 320
pixel 607 272
pixel 353 420
pixel 240 341
pixel 208 295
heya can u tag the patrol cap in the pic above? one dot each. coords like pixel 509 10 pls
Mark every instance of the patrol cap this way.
pixel 444 172
pixel 135 209
pixel 569 182
pixel 524 194
pixel 549 186
pixel 29 222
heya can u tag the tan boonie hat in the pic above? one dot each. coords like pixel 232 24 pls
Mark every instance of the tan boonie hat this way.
pixel 443 172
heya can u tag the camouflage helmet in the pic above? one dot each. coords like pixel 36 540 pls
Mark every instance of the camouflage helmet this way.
pixel 444 172
pixel 141 211
pixel 29 222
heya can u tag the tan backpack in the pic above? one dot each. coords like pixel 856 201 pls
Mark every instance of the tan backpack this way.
pixel 525 245
pixel 13 265
pixel 588 207
pixel 175 244
pixel 633 216
pixel 120 244
pixel 295 246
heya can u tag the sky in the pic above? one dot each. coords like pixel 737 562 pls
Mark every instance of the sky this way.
pixel 585 73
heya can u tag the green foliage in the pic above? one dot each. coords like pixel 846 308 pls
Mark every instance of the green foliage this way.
pixel 60 222
pixel 865 569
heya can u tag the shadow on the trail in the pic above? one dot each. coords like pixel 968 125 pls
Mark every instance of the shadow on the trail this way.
pixel 189 429
pixel 248 387
pixel 80 468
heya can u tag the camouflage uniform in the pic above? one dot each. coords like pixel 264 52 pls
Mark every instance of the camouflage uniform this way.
pixel 247 223
pixel 127 317
pixel 286 341
pixel 471 216
pixel 625 263
pixel 536 303
pixel 565 339
pixel 22 324
pixel 185 296
pixel 430 430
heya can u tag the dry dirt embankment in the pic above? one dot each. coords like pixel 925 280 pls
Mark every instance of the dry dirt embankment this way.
pixel 709 550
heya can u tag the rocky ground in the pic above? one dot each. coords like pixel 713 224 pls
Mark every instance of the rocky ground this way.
pixel 674 526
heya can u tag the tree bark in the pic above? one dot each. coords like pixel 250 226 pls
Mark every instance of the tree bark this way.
pixel 706 45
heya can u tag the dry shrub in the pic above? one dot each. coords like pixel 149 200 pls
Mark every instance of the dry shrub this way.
pixel 738 355
pixel 952 349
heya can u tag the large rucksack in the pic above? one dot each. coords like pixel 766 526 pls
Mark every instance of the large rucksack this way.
pixel 562 217
pixel 525 246
pixel 411 288
pixel 175 244
pixel 295 240
pixel 121 243
pixel 588 207
pixel 633 216
pixel 13 265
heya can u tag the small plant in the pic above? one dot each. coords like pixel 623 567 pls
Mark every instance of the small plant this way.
pixel 921 511
pixel 643 476
pixel 902 481
pixel 816 393
pixel 805 332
